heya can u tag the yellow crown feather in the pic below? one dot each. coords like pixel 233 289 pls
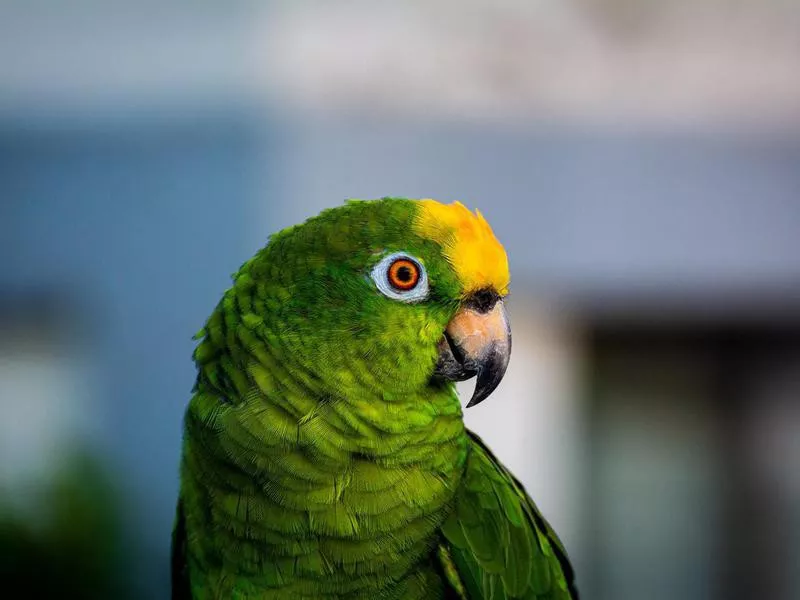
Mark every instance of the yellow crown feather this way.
pixel 468 243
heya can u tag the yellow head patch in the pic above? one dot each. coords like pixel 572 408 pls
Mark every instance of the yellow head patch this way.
pixel 468 243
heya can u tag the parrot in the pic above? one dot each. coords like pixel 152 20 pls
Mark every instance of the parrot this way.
pixel 324 452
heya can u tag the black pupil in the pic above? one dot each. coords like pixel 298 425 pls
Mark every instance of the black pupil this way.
pixel 404 274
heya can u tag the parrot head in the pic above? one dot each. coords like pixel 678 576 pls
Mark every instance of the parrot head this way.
pixel 391 295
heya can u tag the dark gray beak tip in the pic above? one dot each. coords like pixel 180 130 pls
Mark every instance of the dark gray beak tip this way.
pixel 475 400
pixel 490 374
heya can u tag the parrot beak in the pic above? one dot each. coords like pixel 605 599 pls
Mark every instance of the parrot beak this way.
pixel 477 342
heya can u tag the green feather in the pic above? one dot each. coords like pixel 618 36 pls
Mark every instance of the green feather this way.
pixel 320 459
pixel 493 513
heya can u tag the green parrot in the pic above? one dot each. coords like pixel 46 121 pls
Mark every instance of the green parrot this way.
pixel 324 449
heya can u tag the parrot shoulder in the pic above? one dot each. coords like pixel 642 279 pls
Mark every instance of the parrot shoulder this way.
pixel 498 541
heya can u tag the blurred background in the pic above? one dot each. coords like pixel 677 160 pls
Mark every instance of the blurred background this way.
pixel 640 160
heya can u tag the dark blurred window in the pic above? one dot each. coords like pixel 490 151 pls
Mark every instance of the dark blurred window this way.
pixel 694 488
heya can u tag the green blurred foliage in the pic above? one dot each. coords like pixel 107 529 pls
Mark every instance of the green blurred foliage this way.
pixel 72 548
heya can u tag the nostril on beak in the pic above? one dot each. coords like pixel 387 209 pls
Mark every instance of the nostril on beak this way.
pixel 483 300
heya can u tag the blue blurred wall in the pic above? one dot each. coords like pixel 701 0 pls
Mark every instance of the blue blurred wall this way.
pixel 136 225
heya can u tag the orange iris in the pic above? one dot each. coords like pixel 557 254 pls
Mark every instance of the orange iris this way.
pixel 403 274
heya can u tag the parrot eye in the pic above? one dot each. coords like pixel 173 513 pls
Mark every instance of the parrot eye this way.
pixel 401 277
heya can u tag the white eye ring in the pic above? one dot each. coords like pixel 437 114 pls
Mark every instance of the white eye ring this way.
pixel 380 275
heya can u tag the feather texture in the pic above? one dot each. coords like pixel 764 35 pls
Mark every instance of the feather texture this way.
pixel 501 545
pixel 321 460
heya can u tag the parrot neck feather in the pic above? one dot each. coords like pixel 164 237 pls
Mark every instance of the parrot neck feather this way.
pixel 322 488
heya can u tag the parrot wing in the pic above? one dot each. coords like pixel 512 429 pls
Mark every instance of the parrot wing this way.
pixel 180 575
pixel 497 542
